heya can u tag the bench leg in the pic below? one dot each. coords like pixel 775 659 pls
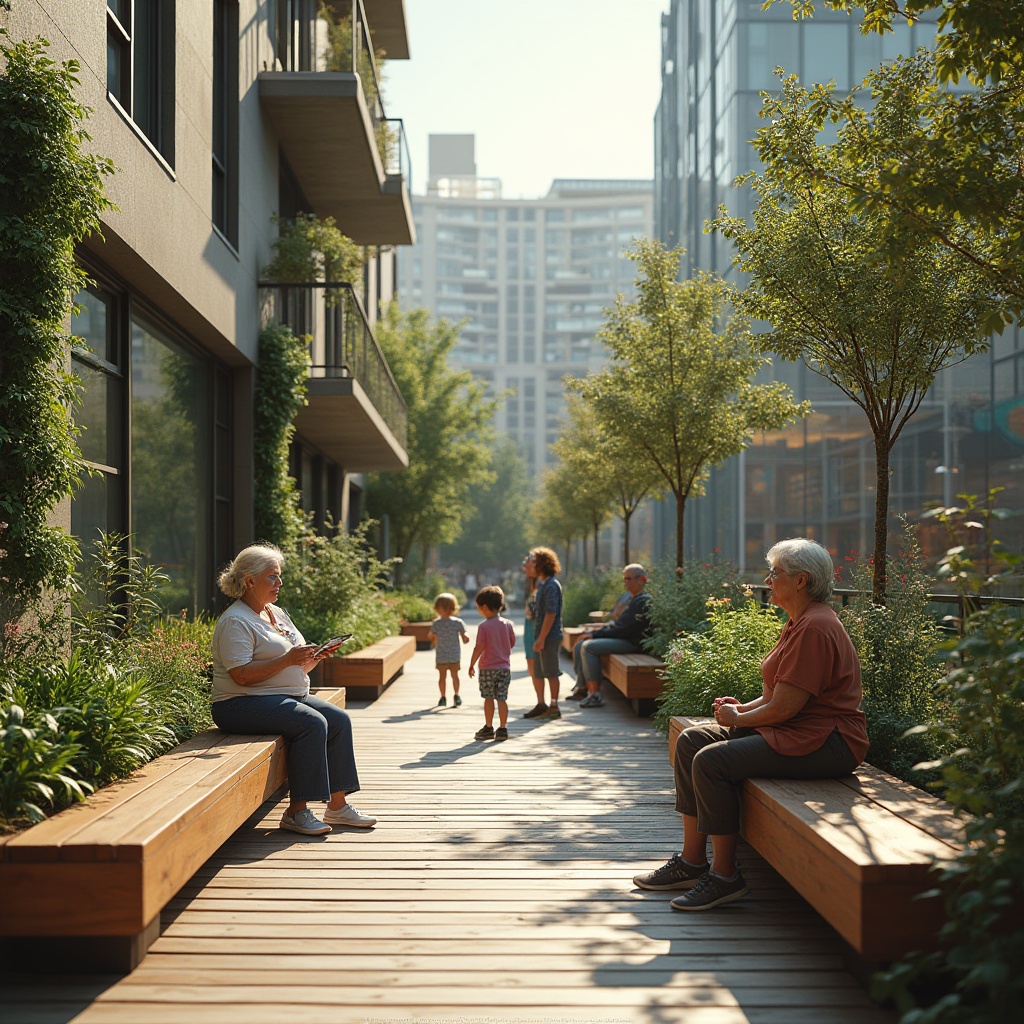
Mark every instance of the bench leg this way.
pixel 644 706
pixel 85 954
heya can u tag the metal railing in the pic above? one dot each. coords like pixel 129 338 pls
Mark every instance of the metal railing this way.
pixel 397 159
pixel 341 341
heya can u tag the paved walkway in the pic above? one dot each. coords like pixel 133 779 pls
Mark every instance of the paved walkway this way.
pixel 495 888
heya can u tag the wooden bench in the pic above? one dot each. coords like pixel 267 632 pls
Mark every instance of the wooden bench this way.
pixel 366 673
pixel 859 849
pixel 572 635
pixel 637 677
pixel 419 631
pixel 87 886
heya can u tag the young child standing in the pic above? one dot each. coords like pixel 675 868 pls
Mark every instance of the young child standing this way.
pixel 445 632
pixel 495 638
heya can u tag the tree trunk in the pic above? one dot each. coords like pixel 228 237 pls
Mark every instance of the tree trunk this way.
pixel 882 448
pixel 680 519
pixel 597 537
pixel 625 537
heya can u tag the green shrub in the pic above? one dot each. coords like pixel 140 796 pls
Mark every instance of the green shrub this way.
pixel 370 618
pixel 411 607
pixel 36 769
pixel 584 594
pixel 679 598
pixel 723 660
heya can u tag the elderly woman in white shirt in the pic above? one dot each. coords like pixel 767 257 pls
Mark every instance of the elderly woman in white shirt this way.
pixel 261 685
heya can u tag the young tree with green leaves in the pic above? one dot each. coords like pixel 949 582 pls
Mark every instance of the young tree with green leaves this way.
pixel 450 436
pixel 494 536
pixel 51 197
pixel 879 327
pixel 680 392
pixel 555 516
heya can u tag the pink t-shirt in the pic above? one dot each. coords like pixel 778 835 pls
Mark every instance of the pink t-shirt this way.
pixel 496 637
pixel 815 654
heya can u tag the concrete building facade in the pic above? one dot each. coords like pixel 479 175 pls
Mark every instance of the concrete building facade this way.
pixel 817 477
pixel 529 279
pixel 220 117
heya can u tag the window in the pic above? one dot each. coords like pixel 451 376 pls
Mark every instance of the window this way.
pixel 225 119
pixel 140 67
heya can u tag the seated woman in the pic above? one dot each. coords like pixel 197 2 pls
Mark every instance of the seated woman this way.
pixel 807 724
pixel 260 685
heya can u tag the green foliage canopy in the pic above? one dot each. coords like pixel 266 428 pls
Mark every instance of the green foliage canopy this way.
pixel 51 197
pixel 880 330
pixel 450 435
pixel 680 393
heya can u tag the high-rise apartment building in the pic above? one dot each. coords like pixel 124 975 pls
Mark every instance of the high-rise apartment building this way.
pixel 220 116
pixel 528 278
pixel 817 477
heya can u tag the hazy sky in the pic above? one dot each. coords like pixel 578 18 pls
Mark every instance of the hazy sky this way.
pixel 550 88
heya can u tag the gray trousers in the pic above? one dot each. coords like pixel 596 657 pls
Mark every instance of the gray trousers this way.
pixel 586 657
pixel 711 763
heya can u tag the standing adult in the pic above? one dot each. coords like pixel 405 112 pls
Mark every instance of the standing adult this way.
pixel 807 724
pixel 529 635
pixel 547 624
pixel 261 685
pixel 622 635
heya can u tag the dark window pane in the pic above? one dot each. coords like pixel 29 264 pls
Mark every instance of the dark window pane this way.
pixel 99 416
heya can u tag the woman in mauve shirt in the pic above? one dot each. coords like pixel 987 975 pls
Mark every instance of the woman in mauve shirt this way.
pixel 807 724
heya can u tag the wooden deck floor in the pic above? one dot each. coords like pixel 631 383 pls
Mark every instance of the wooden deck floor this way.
pixel 495 888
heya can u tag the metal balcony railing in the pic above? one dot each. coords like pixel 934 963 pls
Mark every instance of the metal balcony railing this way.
pixel 341 341
pixel 395 151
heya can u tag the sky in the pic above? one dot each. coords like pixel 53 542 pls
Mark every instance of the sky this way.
pixel 551 88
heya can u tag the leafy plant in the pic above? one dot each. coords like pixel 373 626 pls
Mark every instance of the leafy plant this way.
pixel 679 597
pixel 310 249
pixel 583 594
pixel 36 767
pixel 281 376
pixel 51 197
pixel 411 607
pixel 723 660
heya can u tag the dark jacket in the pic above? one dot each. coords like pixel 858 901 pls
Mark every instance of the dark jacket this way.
pixel 634 624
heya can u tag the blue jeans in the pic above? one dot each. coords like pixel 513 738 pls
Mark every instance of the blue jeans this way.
pixel 586 657
pixel 321 760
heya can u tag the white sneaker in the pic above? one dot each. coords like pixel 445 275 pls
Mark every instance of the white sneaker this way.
pixel 305 822
pixel 348 815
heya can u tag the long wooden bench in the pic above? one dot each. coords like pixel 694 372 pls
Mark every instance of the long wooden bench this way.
pixel 572 635
pixel 419 631
pixel 366 673
pixel 859 849
pixel 637 677
pixel 87 886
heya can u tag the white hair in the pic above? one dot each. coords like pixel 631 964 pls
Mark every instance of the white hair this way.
pixel 801 555
pixel 249 561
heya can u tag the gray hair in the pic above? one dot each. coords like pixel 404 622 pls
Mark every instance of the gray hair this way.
pixel 636 569
pixel 801 555
pixel 249 561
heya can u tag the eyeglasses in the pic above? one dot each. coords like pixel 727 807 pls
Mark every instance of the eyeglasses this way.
pixel 776 573
pixel 629 579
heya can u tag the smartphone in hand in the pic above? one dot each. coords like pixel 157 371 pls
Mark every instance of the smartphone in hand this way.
pixel 330 645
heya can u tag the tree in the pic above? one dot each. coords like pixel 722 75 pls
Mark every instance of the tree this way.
pixel 51 197
pixel 607 465
pixel 555 516
pixel 964 164
pixel 494 536
pixel 680 392
pixel 878 328
pixel 450 436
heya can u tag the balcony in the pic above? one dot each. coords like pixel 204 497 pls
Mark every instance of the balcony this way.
pixel 350 160
pixel 387 21
pixel 355 414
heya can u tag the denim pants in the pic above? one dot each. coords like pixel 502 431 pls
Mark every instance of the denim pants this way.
pixel 586 657
pixel 321 760
pixel 711 763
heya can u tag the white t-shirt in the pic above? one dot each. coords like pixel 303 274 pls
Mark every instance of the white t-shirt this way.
pixel 242 636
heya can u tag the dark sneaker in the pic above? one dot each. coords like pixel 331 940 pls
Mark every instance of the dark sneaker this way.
pixel 485 732
pixel 501 733
pixel 536 711
pixel 458 701
pixel 442 703
pixel 577 694
pixel 595 700
pixel 552 712
pixel 675 874
pixel 711 891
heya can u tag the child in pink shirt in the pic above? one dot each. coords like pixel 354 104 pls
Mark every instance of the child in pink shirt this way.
pixel 495 638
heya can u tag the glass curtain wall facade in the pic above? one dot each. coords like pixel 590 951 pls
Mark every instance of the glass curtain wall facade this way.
pixel 529 279
pixel 815 479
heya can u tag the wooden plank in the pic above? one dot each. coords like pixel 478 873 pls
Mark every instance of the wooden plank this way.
pixel 634 675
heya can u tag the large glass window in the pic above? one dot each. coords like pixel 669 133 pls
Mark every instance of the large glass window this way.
pixel 826 55
pixel 171 434
pixel 140 67
pixel 225 118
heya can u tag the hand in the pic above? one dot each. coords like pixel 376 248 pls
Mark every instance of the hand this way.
pixel 719 701
pixel 538 645
pixel 727 714
pixel 302 653
pixel 472 671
